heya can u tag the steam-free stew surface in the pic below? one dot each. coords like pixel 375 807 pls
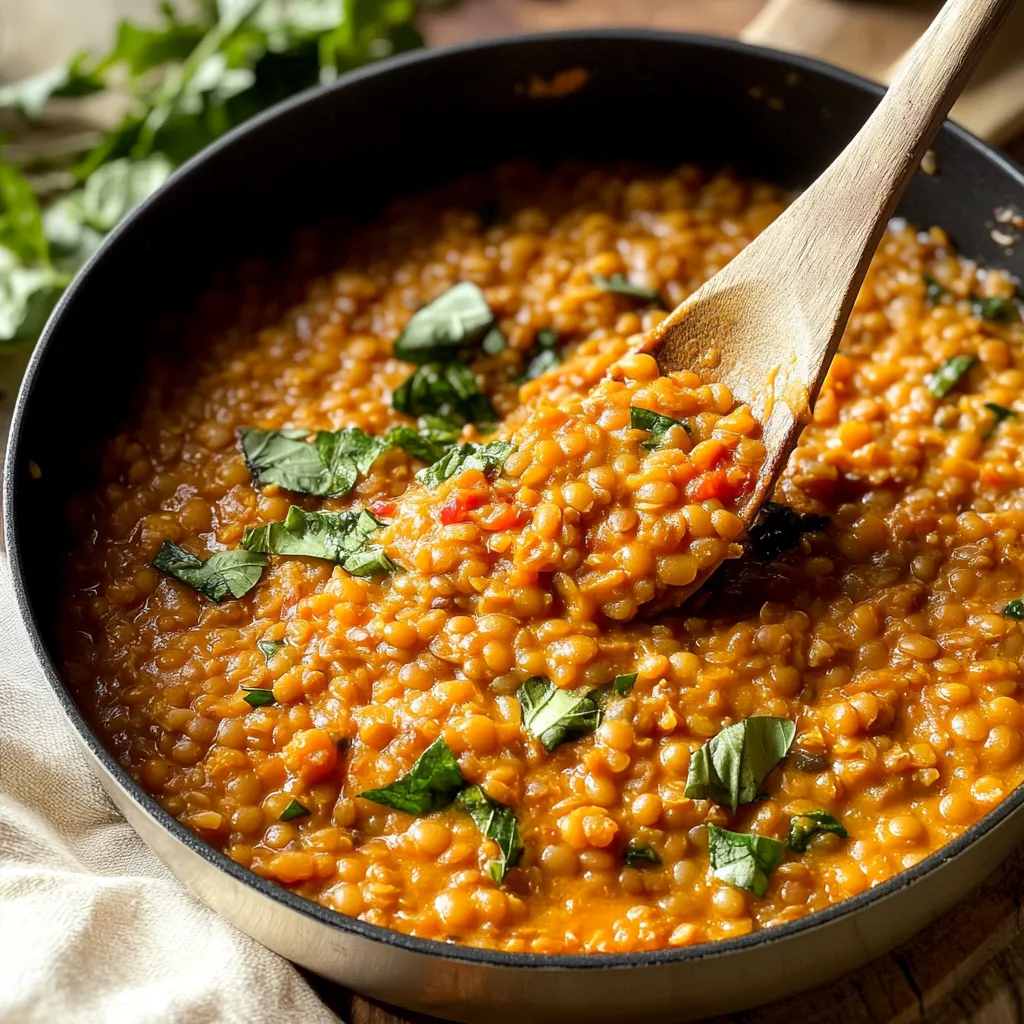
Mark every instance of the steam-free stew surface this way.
pixel 588 780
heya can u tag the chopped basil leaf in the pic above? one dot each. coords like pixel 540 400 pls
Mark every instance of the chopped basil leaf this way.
pixel 329 467
pixel 1015 610
pixel 803 827
pixel 294 810
pixel 552 715
pixel 744 861
pixel 618 687
pixel 258 696
pixel 432 782
pixel 655 424
pixel 340 537
pixel 428 444
pixel 447 391
pixel 494 342
pixel 623 684
pixel 497 822
pixel 999 413
pixel 778 529
pixel 995 310
pixel 621 286
pixel 485 457
pixel 543 356
pixel 948 375
pixel 731 766
pixel 934 290
pixel 637 854
pixel 226 572
pixel 268 648
pixel 454 320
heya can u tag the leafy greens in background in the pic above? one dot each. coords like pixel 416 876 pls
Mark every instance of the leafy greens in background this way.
pixel 201 69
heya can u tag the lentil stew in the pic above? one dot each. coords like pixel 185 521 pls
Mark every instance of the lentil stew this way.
pixel 392 650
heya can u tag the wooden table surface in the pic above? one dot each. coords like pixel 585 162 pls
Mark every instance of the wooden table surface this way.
pixel 969 965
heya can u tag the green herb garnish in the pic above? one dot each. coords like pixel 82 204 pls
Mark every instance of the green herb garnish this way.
pixel 949 374
pixel 446 391
pixel 328 467
pixel 552 715
pixel 778 529
pixel 488 458
pixel 223 573
pixel 803 827
pixel 934 290
pixel 455 320
pixel 1015 610
pixel 744 861
pixel 621 286
pixel 496 822
pixel 268 648
pixel 731 766
pixel 341 537
pixel 655 424
pixel 543 356
pixel 494 342
pixel 995 310
pixel 637 854
pixel 427 443
pixel 294 810
pixel 432 782
pixel 258 696
pixel 999 413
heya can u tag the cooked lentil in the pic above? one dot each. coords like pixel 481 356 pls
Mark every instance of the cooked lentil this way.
pixel 882 636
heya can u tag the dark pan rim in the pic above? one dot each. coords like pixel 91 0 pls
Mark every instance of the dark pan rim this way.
pixel 279 894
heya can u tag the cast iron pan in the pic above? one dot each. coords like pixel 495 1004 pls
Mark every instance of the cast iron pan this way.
pixel 396 128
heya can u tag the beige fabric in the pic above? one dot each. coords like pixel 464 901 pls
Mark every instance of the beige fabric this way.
pixel 93 928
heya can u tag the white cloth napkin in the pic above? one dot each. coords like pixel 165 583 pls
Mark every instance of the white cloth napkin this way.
pixel 93 928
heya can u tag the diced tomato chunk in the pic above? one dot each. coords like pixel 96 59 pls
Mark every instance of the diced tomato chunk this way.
pixel 725 484
pixel 456 509
pixel 383 508
pixel 502 517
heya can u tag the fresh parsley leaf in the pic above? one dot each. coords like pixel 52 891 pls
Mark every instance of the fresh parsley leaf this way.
pixel 427 443
pixel 223 573
pixel 268 648
pixel 447 391
pixel 27 297
pixel 496 822
pixel 432 782
pixel 637 854
pixel 21 223
pixel 488 458
pixel 65 81
pixel 455 320
pixel 543 356
pixel 778 529
pixel 731 766
pixel 744 861
pixel 341 537
pixel 803 827
pixel 258 696
pixel 1015 610
pixel 655 424
pixel 620 285
pixel 329 467
pixel 552 715
pixel 995 310
pixel 116 188
pixel 999 413
pixel 949 374
pixel 294 810
pixel 933 290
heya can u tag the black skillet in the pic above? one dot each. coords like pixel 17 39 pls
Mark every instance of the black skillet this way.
pixel 396 128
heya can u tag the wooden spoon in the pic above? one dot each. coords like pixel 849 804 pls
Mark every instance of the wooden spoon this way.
pixel 768 324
